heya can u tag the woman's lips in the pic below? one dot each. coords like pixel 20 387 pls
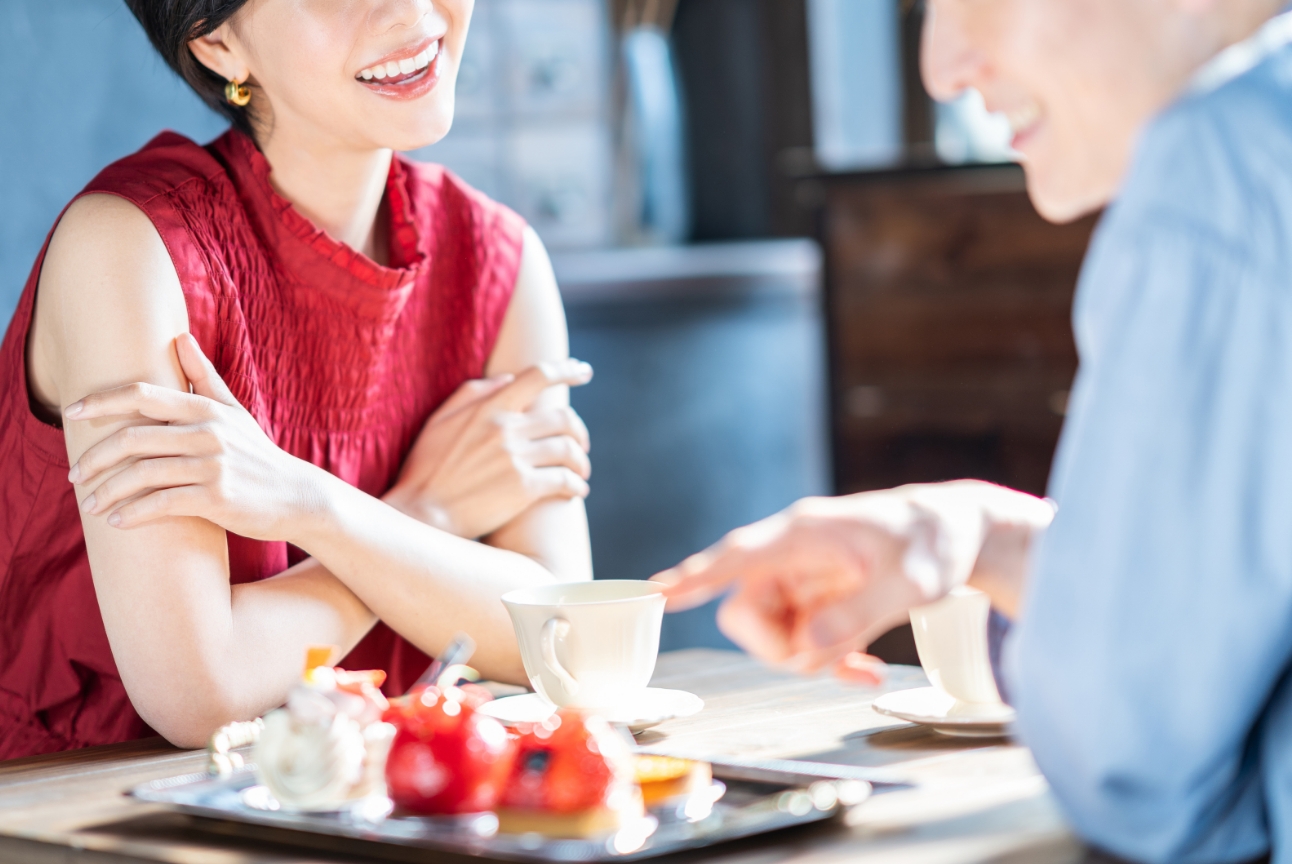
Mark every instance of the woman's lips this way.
pixel 410 85
pixel 406 74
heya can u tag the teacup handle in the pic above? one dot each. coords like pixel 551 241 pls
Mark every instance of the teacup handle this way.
pixel 557 628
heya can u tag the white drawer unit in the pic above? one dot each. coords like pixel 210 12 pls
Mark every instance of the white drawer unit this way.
pixel 559 177
pixel 556 61
pixel 532 126
pixel 478 97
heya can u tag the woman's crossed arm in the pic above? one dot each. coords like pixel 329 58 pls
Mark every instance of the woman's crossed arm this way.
pixel 174 469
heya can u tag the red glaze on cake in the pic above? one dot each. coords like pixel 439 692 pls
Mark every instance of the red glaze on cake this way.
pixel 572 777
pixel 446 758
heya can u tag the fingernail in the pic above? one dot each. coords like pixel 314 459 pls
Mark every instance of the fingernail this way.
pixel 115 520
pixel 88 504
pixel 73 409
pixel 74 475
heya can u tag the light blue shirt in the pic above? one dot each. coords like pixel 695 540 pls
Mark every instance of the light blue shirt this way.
pixel 1152 668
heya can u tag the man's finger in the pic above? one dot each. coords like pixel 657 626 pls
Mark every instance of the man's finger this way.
pixel 702 577
pixel 520 394
pixel 201 372
pixel 149 400
pixel 856 667
pixel 746 553
pixel 747 619
pixel 864 616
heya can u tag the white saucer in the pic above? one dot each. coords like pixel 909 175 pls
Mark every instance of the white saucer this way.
pixel 653 707
pixel 929 706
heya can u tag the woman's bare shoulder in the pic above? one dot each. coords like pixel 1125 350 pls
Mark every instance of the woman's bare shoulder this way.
pixel 108 305
pixel 534 328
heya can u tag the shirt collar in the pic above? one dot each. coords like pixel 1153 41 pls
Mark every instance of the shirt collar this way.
pixel 1246 55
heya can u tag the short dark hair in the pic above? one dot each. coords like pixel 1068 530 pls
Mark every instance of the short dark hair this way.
pixel 171 25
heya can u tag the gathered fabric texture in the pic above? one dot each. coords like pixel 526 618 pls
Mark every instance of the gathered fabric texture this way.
pixel 341 361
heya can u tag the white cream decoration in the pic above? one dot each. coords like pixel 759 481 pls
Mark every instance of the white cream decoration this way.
pixel 315 754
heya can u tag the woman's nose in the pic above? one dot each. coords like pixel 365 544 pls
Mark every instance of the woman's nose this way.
pixel 949 61
pixel 387 14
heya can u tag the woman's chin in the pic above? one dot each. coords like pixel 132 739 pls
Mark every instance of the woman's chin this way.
pixel 418 133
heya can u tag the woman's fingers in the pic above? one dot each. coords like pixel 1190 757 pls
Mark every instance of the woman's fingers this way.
pixel 553 422
pixel 200 371
pixel 562 451
pixel 160 504
pixel 150 400
pixel 140 441
pixel 162 403
pixel 144 475
pixel 472 392
pixel 547 483
pixel 520 394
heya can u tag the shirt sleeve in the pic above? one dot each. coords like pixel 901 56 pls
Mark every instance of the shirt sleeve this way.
pixel 1159 616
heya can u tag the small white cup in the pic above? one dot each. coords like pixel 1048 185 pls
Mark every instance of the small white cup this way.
pixel 588 644
pixel 951 638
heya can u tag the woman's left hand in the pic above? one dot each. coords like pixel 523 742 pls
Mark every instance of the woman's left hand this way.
pixel 204 456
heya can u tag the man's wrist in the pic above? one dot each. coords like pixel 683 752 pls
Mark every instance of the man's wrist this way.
pixel 1000 571
pixel 959 526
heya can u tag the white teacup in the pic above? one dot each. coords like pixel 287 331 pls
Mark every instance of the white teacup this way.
pixel 951 638
pixel 588 644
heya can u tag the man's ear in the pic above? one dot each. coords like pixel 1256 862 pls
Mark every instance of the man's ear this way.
pixel 215 52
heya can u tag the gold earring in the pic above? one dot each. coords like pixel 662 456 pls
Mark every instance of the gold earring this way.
pixel 237 94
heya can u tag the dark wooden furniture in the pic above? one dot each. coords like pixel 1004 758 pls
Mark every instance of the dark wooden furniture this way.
pixel 949 318
pixel 949 321
pixel 971 800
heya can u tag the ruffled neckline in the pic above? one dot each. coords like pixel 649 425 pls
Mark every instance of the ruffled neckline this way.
pixel 277 216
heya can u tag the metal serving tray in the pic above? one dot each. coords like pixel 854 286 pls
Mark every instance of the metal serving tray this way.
pixel 744 809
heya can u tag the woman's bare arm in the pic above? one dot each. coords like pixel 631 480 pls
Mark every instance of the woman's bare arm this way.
pixel 553 532
pixel 192 651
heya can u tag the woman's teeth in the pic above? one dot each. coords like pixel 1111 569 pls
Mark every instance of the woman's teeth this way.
pixel 407 66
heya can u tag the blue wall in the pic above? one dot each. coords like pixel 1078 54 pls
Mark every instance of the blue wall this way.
pixel 704 415
pixel 82 88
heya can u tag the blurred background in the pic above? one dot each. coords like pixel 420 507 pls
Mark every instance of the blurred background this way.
pixel 794 273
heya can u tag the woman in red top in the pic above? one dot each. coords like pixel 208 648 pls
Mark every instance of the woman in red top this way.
pixel 284 389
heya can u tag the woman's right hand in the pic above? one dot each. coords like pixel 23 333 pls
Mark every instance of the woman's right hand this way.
pixel 492 451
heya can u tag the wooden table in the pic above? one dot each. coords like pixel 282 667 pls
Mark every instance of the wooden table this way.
pixel 974 801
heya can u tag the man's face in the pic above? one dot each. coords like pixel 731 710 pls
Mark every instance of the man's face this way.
pixel 1078 79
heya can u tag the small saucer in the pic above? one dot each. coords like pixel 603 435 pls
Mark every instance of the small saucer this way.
pixel 929 706
pixel 653 707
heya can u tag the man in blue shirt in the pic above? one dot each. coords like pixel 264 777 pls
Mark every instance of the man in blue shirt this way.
pixel 1151 659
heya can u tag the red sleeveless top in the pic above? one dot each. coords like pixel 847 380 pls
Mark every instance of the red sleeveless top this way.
pixel 339 359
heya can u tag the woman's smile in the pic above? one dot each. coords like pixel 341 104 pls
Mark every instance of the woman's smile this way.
pixel 406 74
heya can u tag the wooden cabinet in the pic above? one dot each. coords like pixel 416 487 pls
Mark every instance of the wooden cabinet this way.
pixel 949 303
pixel 949 319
